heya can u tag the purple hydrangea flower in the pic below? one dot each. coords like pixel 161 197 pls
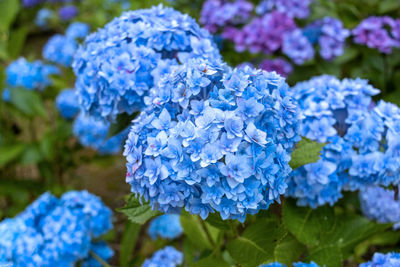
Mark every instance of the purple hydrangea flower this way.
pixel 293 8
pixel 216 14
pixel 373 32
pixel 280 65
pixel 68 12
pixel 264 34
pixel 297 47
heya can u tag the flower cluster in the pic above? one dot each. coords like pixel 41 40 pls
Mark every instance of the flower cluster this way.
pixel 295 264
pixel 297 47
pixel 93 133
pixel 330 35
pixel 117 65
pixel 380 204
pixel 391 259
pixel 293 8
pixel 374 33
pixel 56 232
pixel 362 145
pixel 272 27
pixel 214 139
pixel 61 49
pixel 165 226
pixel 68 12
pixel 66 103
pixel 29 75
pixel 221 13
pixel 168 257
pixel 279 65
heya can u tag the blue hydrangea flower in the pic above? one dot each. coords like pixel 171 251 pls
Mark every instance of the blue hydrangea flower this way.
pixel 117 65
pixel 42 17
pixel 339 112
pixel 30 75
pixel 391 259
pixel 166 257
pixel 68 12
pixel 6 95
pixel 297 47
pixel 102 250
pixel 67 103
pixel 380 204
pixel 213 139
pixel 93 133
pixel 60 49
pixel 56 232
pixel 165 226
pixel 77 30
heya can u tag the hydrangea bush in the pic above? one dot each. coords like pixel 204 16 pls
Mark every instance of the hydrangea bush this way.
pixel 228 166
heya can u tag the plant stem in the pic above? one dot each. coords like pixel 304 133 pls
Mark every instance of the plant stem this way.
pixel 99 259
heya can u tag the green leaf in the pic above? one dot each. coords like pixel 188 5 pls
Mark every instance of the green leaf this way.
pixel 348 55
pixel 306 152
pixel 28 102
pixel 257 243
pixel 386 6
pixel 123 121
pixel 137 212
pixel 10 152
pixel 195 231
pixel 8 12
pixel 288 250
pixel 210 261
pixel 31 154
pixel 16 42
pixel 215 220
pixel 382 239
pixel 129 237
pixel 306 224
pixel 328 256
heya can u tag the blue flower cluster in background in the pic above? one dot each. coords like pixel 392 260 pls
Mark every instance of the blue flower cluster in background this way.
pixel 165 226
pixel 67 103
pixel 213 139
pixel 29 75
pixel 362 139
pixel 381 205
pixel 60 49
pixel 166 257
pixel 391 259
pixel 56 232
pixel 93 133
pixel 117 65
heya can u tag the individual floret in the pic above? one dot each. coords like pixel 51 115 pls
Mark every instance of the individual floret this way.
pixel 66 103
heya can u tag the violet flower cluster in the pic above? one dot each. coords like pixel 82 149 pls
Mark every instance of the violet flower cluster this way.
pixel 391 259
pixel 57 232
pixel 221 13
pixel 117 65
pixel 279 65
pixel 213 139
pixel 382 33
pixel 60 49
pixel 166 226
pixel 363 140
pixel 381 205
pixel 293 8
pixel 166 257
